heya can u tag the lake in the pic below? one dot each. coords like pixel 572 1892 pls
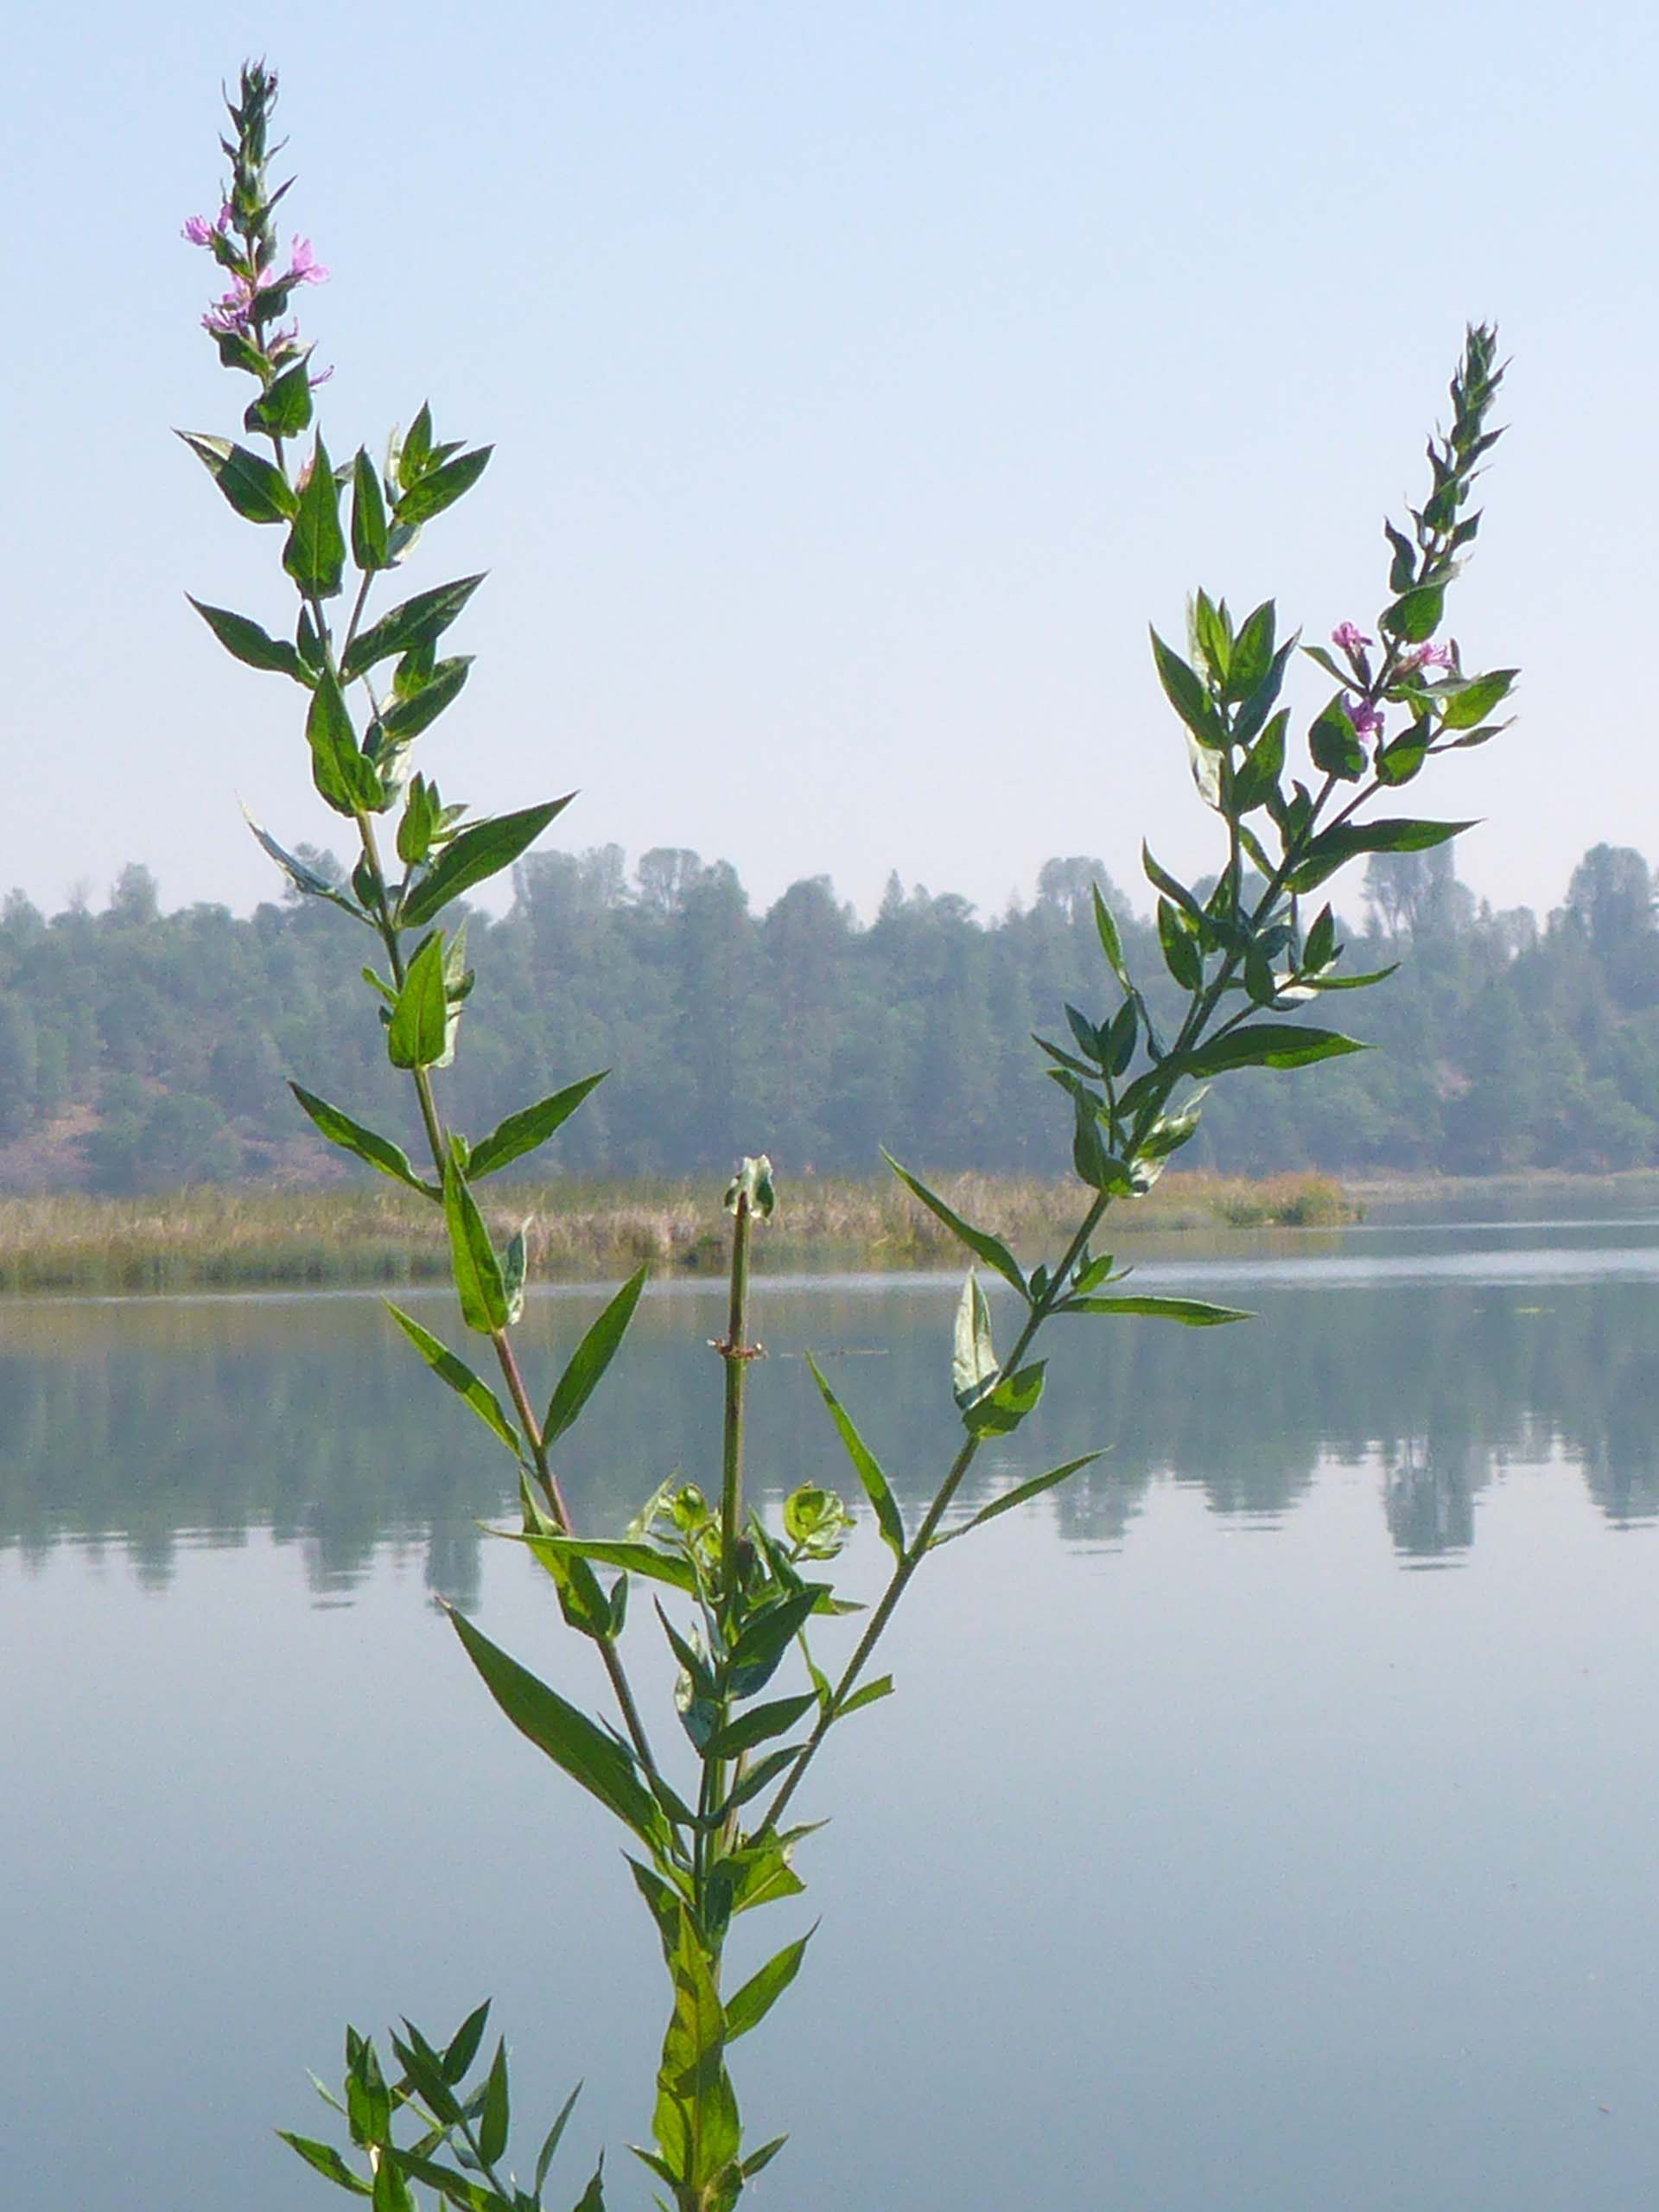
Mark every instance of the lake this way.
pixel 1269 1820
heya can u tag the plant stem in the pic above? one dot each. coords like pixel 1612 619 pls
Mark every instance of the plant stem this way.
pixel 737 1353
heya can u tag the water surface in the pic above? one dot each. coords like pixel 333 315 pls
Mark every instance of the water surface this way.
pixel 1267 1821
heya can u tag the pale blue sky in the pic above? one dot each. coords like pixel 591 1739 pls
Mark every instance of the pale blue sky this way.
pixel 863 380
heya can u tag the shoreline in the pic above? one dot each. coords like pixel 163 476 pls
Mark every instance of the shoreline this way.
pixel 228 1237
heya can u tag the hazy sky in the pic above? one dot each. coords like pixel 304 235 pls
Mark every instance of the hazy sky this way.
pixel 863 379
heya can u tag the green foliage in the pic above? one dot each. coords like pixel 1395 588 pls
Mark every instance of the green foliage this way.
pixel 736 1605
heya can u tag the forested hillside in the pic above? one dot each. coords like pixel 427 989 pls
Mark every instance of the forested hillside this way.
pixel 140 1050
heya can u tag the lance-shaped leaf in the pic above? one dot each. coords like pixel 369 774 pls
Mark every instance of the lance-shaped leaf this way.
pixel 257 491
pixel 521 1132
pixel 1344 840
pixel 1111 942
pixel 1000 1411
pixel 871 1693
pixel 461 1378
pixel 254 647
pixel 592 2197
pixel 283 408
pixel 1020 1495
pixel 478 853
pixel 994 1253
pixel 402 721
pixel 1185 692
pixel 417 621
pixel 1478 698
pixel 877 1488
pixel 305 878
pixel 766 1636
pixel 550 2144
pixel 1194 1313
pixel 472 1261
pixel 369 546
pixel 758 1726
pixel 315 555
pixel 343 776
pixel 747 2006
pixel 351 1136
pixel 439 488
pixel 634 1557
pixel 418 1033
pixel 1268 1045
pixel 462 2047
pixel 590 1359
pixel 327 2161
pixel 584 1749
pixel 1416 615
pixel 973 1359
pixel 493 2119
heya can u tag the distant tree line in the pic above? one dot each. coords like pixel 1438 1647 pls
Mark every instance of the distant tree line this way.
pixel 139 1051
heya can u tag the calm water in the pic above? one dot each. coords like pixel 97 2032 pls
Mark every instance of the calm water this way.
pixel 1272 1823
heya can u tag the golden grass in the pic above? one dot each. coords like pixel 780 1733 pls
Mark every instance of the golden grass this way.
pixel 224 1238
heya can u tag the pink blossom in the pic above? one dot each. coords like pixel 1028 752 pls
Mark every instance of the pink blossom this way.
pixel 1346 636
pixel 1430 656
pixel 233 313
pixel 226 216
pixel 322 377
pixel 304 267
pixel 1366 719
pixel 199 231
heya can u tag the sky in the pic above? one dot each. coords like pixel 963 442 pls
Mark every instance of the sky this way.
pixel 863 380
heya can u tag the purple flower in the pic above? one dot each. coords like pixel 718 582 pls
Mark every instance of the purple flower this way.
pixel 233 313
pixel 322 377
pixel 1431 657
pixel 1346 636
pixel 1366 719
pixel 303 267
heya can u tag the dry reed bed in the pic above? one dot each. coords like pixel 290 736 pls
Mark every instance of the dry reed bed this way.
pixel 224 1238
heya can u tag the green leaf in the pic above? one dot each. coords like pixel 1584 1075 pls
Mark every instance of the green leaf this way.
pixel 973 1365
pixel 305 878
pixel 1000 1411
pixel 1020 1494
pixel 1185 692
pixel 327 2162
pixel 1268 1045
pixel 544 2157
pixel 523 1131
pixel 871 1693
pixel 877 1488
pixel 246 642
pixel 591 1359
pixel 747 2006
pixel 1195 1312
pixel 404 719
pixel 994 1253
pixel 757 1725
pixel 1404 566
pixel 369 547
pixel 624 1552
pixel 1252 654
pixel 1478 698
pixel 1334 847
pixel 472 1256
pixel 514 1269
pixel 478 853
pixel 417 1035
pixel 258 491
pixel 1333 744
pixel 1111 944
pixel 578 1745
pixel 379 1152
pixel 283 408
pixel 342 776
pixel 1400 760
pixel 463 2045
pixel 1161 880
pixel 1257 778
pixel 416 621
pixel 765 1639
pixel 592 2197
pixel 315 553
pixel 493 2119
pixel 1181 955
pixel 461 1378
pixel 439 488
pixel 1416 616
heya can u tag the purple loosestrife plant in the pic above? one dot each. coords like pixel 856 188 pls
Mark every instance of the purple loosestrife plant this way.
pixel 703 1795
